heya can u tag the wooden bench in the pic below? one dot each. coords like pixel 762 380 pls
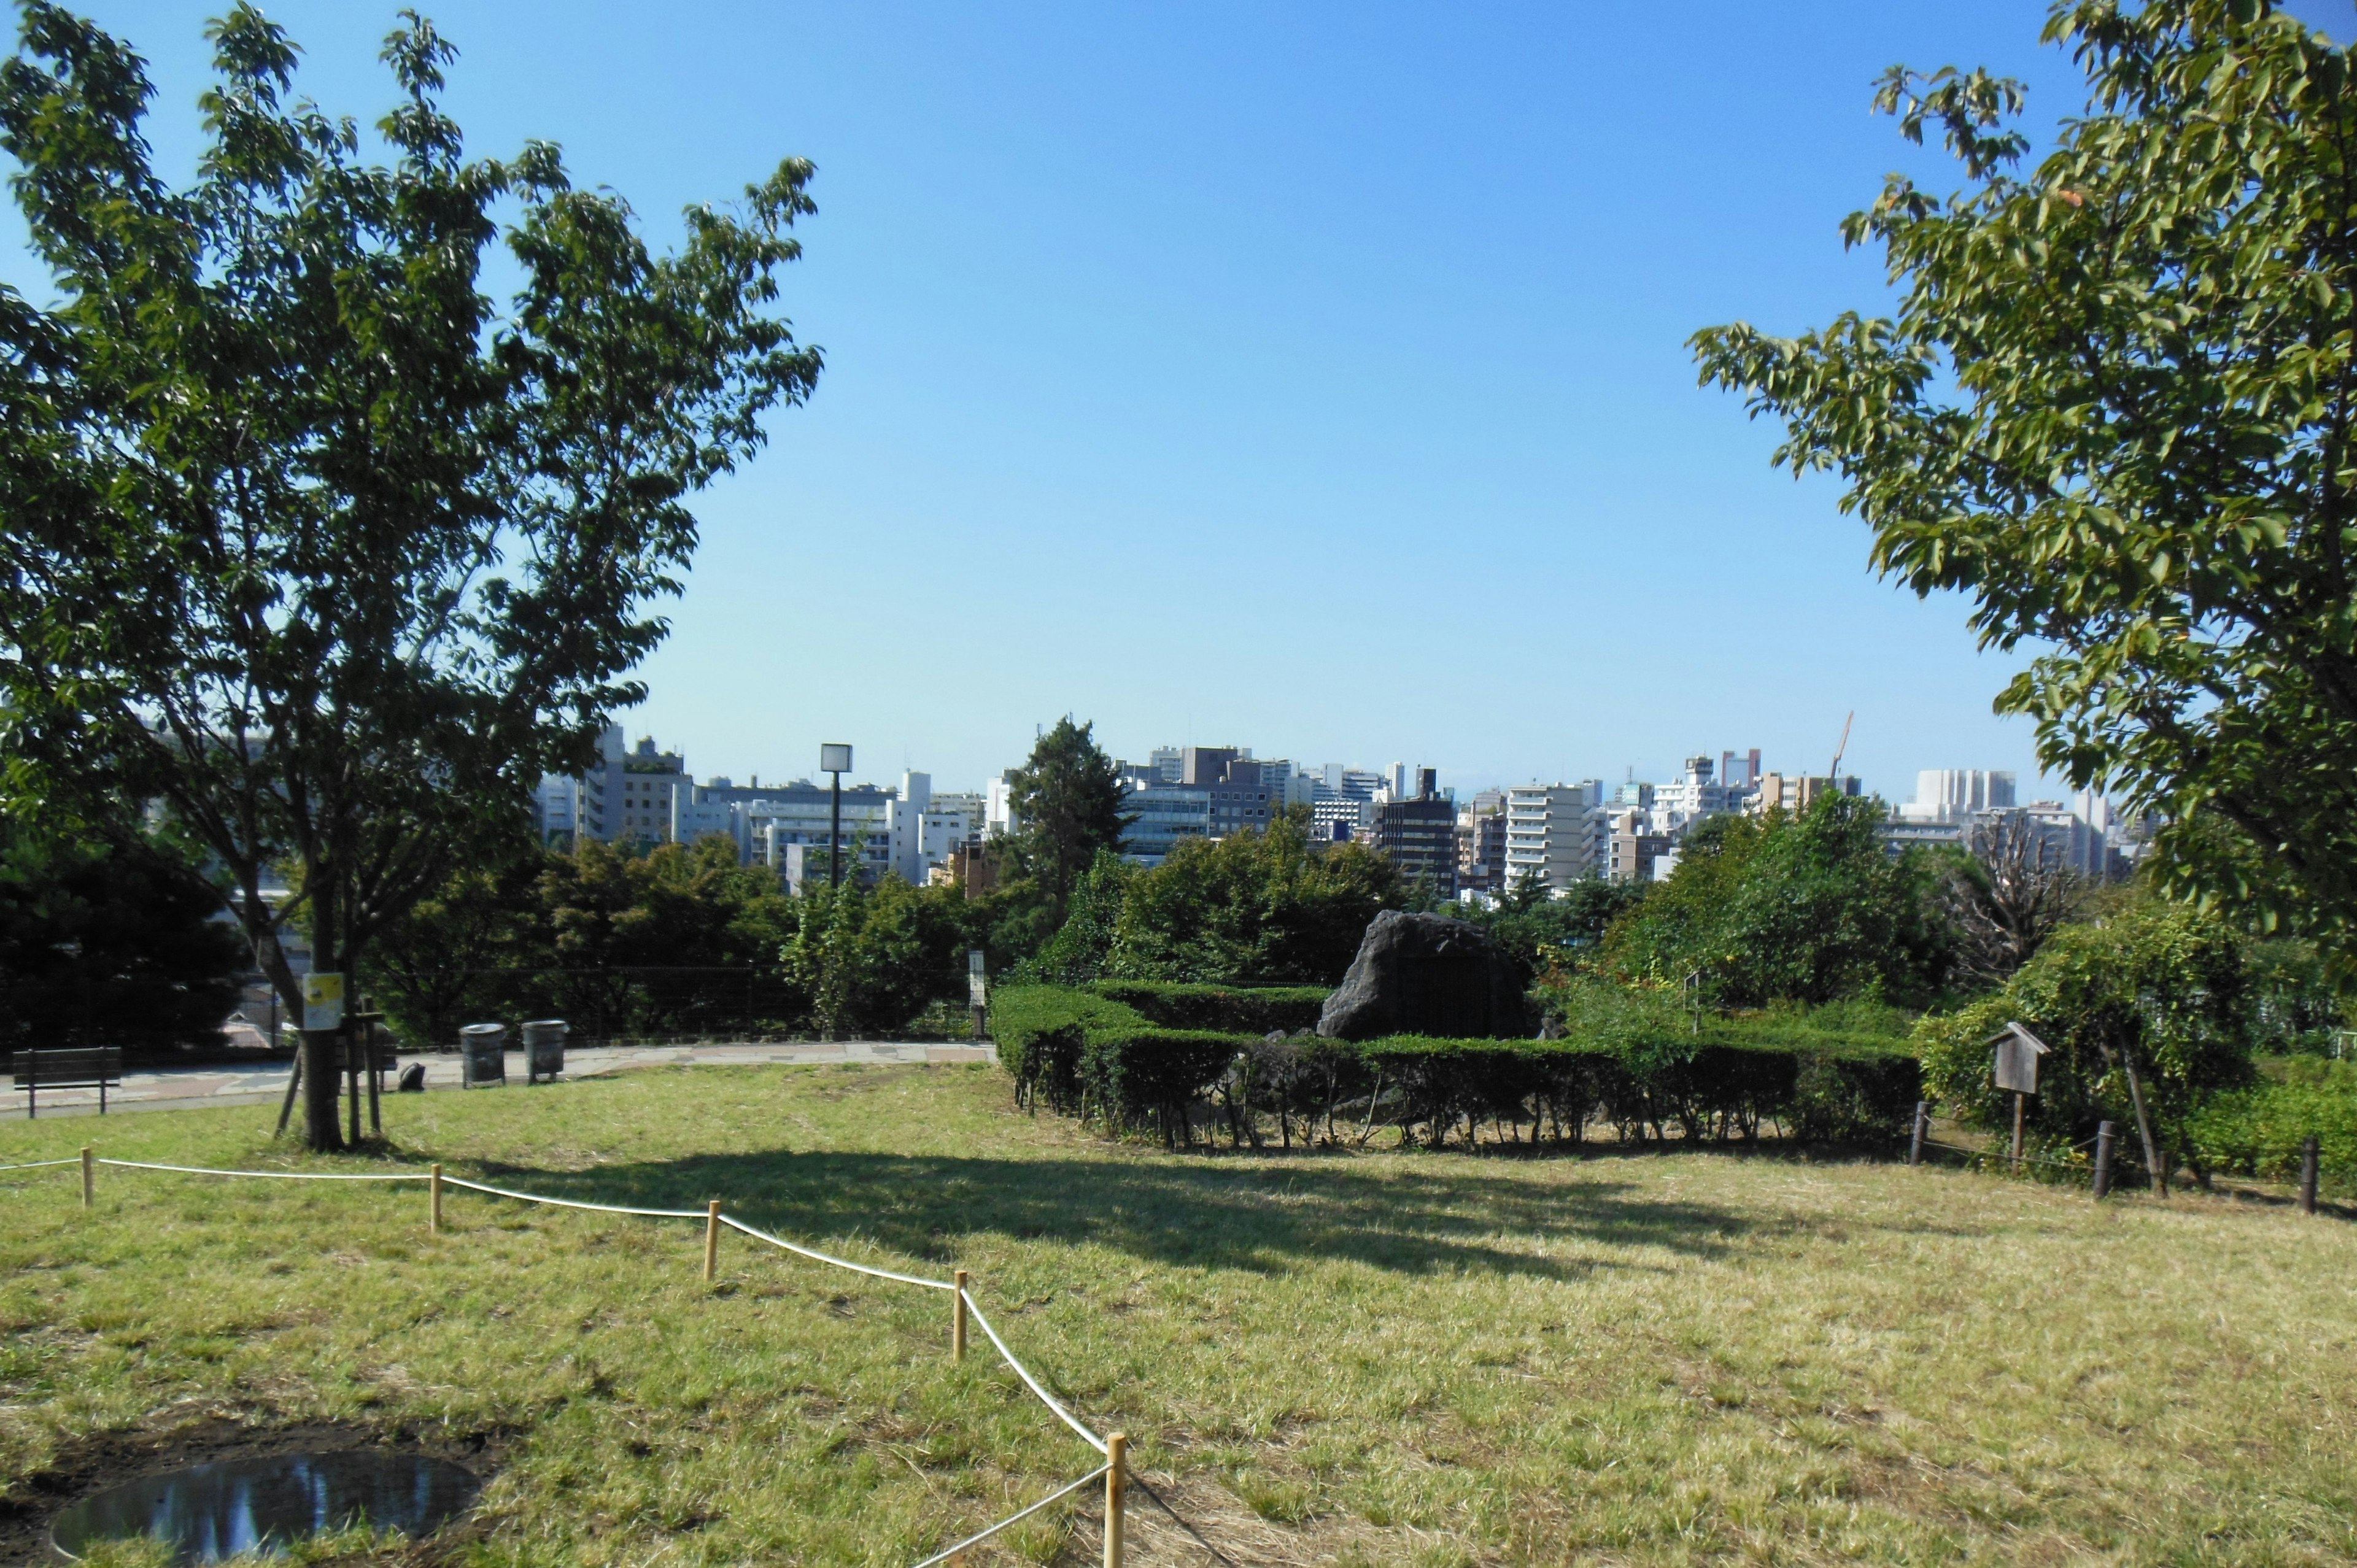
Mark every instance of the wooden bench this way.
pixel 96 1067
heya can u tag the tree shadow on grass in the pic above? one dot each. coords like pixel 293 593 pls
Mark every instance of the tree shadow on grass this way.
pixel 1204 1216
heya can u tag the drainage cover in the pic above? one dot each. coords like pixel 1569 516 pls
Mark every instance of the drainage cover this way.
pixel 209 1512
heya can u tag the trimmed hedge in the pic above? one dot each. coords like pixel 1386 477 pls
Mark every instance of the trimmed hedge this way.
pixel 1238 1009
pixel 1039 1031
pixel 1715 1079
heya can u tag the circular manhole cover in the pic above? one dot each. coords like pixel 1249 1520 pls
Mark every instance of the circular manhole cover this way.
pixel 209 1512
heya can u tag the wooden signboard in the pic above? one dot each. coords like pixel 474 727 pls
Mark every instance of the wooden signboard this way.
pixel 2016 1071
pixel 2018 1051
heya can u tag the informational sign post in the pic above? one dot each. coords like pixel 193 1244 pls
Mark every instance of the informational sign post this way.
pixel 323 1002
pixel 976 989
pixel 2015 1069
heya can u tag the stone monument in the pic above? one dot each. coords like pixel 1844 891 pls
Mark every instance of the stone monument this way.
pixel 1427 974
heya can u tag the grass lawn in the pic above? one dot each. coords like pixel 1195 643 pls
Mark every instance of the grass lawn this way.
pixel 1429 1358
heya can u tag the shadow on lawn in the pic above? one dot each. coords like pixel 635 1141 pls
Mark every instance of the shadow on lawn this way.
pixel 1201 1215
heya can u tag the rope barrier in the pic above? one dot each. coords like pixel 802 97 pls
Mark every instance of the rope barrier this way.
pixel 570 1203
pixel 41 1164
pixel 1068 1419
pixel 1014 1518
pixel 822 1257
pixel 1020 1370
pixel 279 1176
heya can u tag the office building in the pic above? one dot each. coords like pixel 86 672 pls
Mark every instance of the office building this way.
pixel 1481 844
pixel 1419 834
pixel 1546 833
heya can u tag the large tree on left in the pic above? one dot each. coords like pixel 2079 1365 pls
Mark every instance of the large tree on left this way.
pixel 307 538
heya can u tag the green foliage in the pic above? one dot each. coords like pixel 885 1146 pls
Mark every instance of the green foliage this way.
pixel 677 939
pixel 110 945
pixel 1076 954
pixel 1253 909
pixel 2259 1131
pixel 2163 986
pixel 1546 932
pixel 1248 1009
pixel 2113 408
pixel 874 959
pixel 1807 908
pixel 1129 1074
pixel 310 539
pixel 1067 798
pixel 1841 1074
pixel 1039 1031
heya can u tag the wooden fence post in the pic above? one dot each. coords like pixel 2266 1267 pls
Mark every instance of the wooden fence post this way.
pixel 1117 1454
pixel 89 1179
pixel 957 1319
pixel 712 1239
pixel 2102 1160
pixel 434 1200
pixel 2307 1161
pixel 1922 1126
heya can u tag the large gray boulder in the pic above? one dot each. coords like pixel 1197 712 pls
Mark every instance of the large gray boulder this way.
pixel 1427 974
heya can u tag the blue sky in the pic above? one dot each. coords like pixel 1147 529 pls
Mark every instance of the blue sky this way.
pixel 1305 377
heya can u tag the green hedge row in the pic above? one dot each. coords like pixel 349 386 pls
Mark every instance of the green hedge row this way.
pixel 1088 1054
pixel 2259 1132
pixel 1239 1009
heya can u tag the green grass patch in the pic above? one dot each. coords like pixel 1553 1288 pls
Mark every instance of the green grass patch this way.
pixel 1361 1357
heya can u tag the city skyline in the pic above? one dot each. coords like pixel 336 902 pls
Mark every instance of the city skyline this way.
pixel 1340 348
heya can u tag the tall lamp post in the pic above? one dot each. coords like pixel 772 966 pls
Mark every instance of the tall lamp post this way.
pixel 834 760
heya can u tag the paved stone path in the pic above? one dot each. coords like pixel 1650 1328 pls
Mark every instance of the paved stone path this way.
pixel 183 1089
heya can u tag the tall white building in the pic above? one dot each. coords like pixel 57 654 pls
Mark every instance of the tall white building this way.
pixel 1547 832
pixel 1957 794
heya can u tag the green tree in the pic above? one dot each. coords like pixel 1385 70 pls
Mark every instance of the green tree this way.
pixel 110 944
pixel 2114 406
pixel 306 538
pixel 1808 908
pixel 873 958
pixel 1076 953
pixel 1255 907
pixel 1547 930
pixel 1068 805
pixel 2161 989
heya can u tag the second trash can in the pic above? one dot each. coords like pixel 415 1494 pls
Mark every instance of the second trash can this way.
pixel 543 1049
pixel 482 1054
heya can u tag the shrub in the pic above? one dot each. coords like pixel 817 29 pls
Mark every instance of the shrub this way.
pixel 2258 1131
pixel 1248 1009
pixel 1041 1030
pixel 1129 1074
pixel 1835 1075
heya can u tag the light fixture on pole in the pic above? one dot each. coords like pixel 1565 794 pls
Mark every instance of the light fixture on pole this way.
pixel 834 760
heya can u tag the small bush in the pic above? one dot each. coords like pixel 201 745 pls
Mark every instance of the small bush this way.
pixel 1040 1031
pixel 2258 1131
pixel 1247 1010
pixel 1128 1075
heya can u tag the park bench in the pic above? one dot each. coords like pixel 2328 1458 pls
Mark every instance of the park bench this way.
pixel 95 1067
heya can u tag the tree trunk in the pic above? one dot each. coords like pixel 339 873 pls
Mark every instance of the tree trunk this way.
pixel 320 1072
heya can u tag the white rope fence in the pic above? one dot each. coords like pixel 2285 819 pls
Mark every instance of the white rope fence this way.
pixel 1110 1447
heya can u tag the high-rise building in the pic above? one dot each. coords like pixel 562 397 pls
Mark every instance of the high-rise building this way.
pixel 1419 834
pixel 1547 834
pixel 1482 843
pixel 1956 794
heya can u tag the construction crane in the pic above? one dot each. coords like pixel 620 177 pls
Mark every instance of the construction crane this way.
pixel 1833 772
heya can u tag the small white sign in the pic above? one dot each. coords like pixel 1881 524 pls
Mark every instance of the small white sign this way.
pixel 323 1002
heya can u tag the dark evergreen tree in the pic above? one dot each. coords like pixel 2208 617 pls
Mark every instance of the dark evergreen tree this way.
pixel 1068 806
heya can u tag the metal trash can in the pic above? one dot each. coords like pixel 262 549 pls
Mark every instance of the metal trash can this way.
pixel 482 1054
pixel 543 1049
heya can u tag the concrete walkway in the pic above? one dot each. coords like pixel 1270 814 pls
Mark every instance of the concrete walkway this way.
pixel 260 1083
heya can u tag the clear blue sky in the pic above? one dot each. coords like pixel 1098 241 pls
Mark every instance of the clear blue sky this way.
pixel 1307 377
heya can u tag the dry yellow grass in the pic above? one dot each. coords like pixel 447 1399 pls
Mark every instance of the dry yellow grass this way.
pixel 1352 1358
